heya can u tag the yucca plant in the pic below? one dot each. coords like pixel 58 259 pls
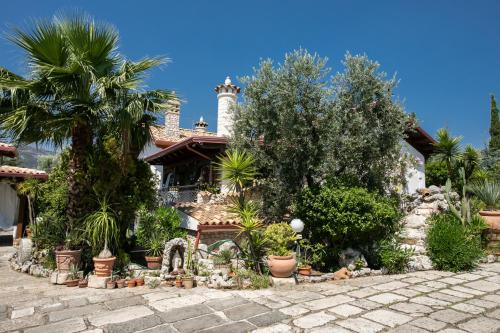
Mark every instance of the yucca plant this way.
pixel 237 167
pixel 488 192
pixel 101 229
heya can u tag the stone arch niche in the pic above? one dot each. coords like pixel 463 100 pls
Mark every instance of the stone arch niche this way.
pixel 175 250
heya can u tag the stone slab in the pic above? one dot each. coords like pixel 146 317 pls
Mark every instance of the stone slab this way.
pixel 313 320
pixel 245 311
pixel 120 315
pixel 66 326
pixel 134 325
pixel 239 327
pixel 268 318
pixel 75 312
pixel 199 323
pixel 186 312
pixel 387 317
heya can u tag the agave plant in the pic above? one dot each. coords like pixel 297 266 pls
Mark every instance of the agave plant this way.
pixel 488 192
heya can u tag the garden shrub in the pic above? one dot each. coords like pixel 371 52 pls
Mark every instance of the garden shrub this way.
pixel 342 217
pixel 394 258
pixel 453 246
pixel 163 223
pixel 279 238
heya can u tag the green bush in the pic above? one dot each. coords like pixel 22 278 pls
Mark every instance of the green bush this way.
pixel 453 246
pixel 279 238
pixel 164 223
pixel 342 217
pixel 393 257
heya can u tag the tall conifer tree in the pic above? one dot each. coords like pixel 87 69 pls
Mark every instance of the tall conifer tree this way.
pixel 494 126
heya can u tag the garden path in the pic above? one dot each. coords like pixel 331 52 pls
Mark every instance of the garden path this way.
pixel 417 302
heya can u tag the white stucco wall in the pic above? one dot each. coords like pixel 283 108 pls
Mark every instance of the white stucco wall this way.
pixel 9 207
pixel 415 176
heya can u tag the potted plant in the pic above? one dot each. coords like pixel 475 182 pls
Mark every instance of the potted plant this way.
pixel 222 261
pixel 304 266
pixel 83 283
pixel 73 278
pixel 155 253
pixel 139 281
pixel 102 230
pixel 280 238
pixel 120 283
pixel 111 284
pixel 68 255
pixel 489 193
pixel 188 278
pixel 178 281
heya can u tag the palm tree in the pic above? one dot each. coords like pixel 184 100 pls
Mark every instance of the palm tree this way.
pixel 447 149
pixel 77 83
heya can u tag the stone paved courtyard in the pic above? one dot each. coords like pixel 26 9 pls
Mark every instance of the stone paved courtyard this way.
pixel 416 302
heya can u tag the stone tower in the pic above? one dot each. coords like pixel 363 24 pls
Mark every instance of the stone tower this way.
pixel 172 117
pixel 226 98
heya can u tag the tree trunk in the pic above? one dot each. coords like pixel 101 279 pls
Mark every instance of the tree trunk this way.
pixel 77 187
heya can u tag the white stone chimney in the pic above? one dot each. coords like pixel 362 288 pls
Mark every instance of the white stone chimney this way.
pixel 201 126
pixel 226 98
pixel 172 118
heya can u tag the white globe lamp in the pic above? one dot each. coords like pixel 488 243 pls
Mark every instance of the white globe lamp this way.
pixel 297 225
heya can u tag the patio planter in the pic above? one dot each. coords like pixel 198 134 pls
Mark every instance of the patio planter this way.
pixel 131 283
pixel 83 284
pixel 281 266
pixel 154 262
pixel 187 281
pixel 110 284
pixel 492 218
pixel 104 266
pixel 305 270
pixel 72 283
pixel 139 281
pixel 67 259
pixel 120 283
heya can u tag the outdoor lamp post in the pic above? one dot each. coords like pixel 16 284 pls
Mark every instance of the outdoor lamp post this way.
pixel 297 226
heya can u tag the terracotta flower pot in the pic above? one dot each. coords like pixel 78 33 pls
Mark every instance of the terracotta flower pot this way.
pixel 83 284
pixel 71 283
pixel 154 262
pixel 139 281
pixel 110 284
pixel 131 283
pixel 104 266
pixel 178 283
pixel 120 283
pixel 67 259
pixel 187 281
pixel 281 266
pixel 492 218
pixel 305 270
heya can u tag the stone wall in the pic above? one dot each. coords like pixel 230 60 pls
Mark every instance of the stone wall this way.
pixel 208 238
pixel 420 207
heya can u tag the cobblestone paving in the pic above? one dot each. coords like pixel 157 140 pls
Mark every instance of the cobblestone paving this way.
pixel 410 303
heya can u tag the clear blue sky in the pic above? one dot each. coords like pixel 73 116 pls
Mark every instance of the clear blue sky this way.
pixel 446 53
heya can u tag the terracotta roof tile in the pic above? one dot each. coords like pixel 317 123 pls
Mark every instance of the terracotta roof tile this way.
pixel 7 149
pixel 162 140
pixel 209 214
pixel 17 172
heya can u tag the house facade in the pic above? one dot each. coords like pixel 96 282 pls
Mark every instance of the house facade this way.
pixel 184 162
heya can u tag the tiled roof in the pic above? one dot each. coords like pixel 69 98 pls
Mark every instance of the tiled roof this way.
pixel 209 214
pixel 7 150
pixel 162 140
pixel 7 171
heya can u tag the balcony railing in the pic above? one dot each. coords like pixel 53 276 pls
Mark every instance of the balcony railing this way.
pixel 175 194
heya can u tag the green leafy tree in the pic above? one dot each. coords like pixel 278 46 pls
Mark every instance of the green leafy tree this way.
pixel 282 122
pixel 367 126
pixel 494 144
